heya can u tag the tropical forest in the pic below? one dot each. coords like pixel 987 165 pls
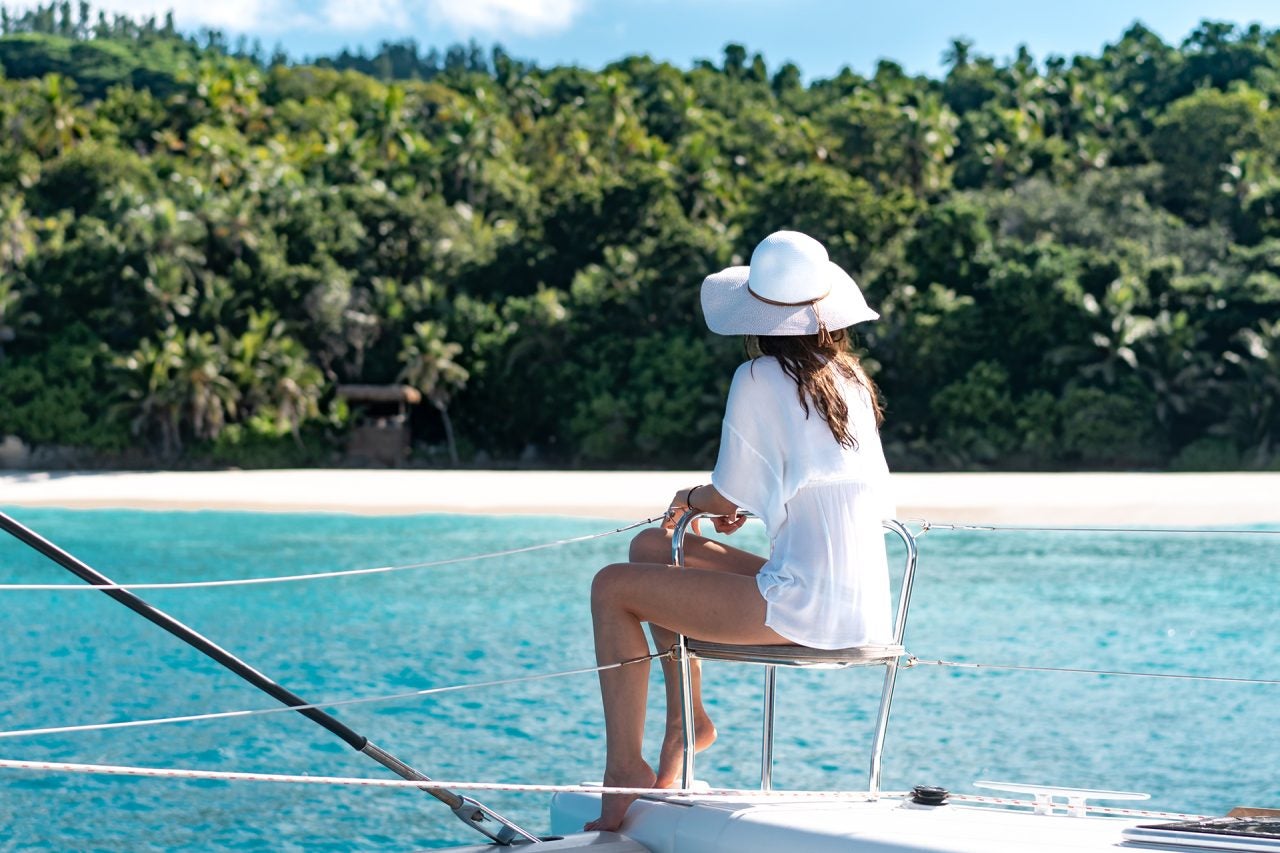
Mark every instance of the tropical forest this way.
pixel 1076 259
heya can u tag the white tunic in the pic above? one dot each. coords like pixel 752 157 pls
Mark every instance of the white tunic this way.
pixel 826 583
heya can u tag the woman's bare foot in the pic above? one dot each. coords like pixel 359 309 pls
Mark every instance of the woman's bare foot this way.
pixel 671 762
pixel 613 807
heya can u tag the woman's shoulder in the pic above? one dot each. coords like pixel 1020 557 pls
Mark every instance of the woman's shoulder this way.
pixel 756 382
pixel 758 386
pixel 759 370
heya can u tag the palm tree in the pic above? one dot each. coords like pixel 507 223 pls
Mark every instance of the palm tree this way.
pixel 1253 418
pixel 151 400
pixel 56 125
pixel 207 392
pixel 17 242
pixel 926 137
pixel 178 384
pixel 1113 348
pixel 429 366
pixel 958 55
pixel 296 387
pixel 274 375
pixel 391 139
pixel 10 298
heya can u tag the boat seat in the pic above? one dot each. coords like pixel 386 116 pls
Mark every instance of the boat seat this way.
pixel 790 655
pixel 793 655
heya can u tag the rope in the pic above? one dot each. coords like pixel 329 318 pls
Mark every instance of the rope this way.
pixel 926 526
pixel 912 660
pixel 326 575
pixel 217 715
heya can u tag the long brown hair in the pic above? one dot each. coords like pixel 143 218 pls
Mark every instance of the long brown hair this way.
pixel 815 362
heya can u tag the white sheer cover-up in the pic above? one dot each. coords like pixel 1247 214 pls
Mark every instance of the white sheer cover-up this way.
pixel 826 582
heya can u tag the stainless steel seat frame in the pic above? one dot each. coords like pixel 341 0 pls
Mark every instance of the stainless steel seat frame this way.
pixel 771 657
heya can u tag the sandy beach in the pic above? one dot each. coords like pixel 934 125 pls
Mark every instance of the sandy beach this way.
pixel 1058 499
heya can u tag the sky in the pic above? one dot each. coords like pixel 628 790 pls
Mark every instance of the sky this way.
pixel 820 36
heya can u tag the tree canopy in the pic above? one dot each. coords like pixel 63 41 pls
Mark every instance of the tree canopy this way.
pixel 1077 261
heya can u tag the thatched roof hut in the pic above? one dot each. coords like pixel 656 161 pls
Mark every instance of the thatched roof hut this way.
pixel 381 433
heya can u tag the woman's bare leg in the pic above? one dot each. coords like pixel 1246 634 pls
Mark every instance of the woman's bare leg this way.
pixel 670 759
pixel 654 546
pixel 714 605
pixel 619 636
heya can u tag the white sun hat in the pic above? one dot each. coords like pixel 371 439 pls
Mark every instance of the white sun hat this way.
pixel 790 288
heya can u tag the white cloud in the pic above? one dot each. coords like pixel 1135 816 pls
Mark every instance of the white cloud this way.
pixel 363 14
pixel 494 17
pixel 464 17
pixel 232 15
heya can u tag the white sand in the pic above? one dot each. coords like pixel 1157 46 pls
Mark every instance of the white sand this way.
pixel 1062 499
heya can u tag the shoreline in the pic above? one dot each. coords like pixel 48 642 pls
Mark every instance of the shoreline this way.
pixel 1009 498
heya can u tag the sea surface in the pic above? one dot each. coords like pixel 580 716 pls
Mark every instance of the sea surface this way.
pixel 1169 602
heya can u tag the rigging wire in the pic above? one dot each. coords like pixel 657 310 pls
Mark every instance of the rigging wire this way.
pixel 912 660
pixel 327 575
pixel 677 795
pixel 430 691
pixel 927 525
pixel 236 776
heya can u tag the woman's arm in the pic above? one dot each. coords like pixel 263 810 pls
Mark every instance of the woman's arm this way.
pixel 707 499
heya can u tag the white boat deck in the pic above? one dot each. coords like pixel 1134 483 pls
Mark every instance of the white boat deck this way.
pixel 690 825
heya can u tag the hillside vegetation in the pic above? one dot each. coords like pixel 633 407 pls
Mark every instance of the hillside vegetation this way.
pixel 1076 260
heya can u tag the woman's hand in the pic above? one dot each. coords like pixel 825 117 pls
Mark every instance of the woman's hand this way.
pixel 728 524
pixel 680 504
pixel 677 510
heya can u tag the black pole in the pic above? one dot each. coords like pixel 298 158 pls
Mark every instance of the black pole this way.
pixel 468 810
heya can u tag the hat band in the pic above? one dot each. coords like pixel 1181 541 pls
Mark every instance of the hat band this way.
pixel 787 304
pixel 824 336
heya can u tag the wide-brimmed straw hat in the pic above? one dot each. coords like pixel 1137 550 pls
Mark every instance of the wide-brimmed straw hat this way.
pixel 790 288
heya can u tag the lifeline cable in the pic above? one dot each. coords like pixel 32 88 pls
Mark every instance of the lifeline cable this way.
pixel 912 660
pixel 469 811
pixel 219 715
pixel 359 781
pixel 926 526
pixel 666 793
pixel 344 573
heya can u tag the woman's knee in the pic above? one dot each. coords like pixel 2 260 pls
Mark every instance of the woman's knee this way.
pixel 607 584
pixel 651 545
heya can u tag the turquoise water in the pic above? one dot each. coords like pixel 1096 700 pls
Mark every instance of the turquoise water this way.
pixel 1201 604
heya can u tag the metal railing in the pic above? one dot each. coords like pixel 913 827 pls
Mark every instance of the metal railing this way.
pixel 772 657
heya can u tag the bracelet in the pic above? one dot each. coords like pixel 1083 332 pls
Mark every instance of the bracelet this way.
pixel 688 500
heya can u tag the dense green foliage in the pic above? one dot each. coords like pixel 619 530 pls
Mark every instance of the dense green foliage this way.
pixel 1077 261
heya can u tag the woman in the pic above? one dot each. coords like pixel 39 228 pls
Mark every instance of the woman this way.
pixel 799 448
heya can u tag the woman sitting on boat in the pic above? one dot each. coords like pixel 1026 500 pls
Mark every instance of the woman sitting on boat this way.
pixel 799 449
